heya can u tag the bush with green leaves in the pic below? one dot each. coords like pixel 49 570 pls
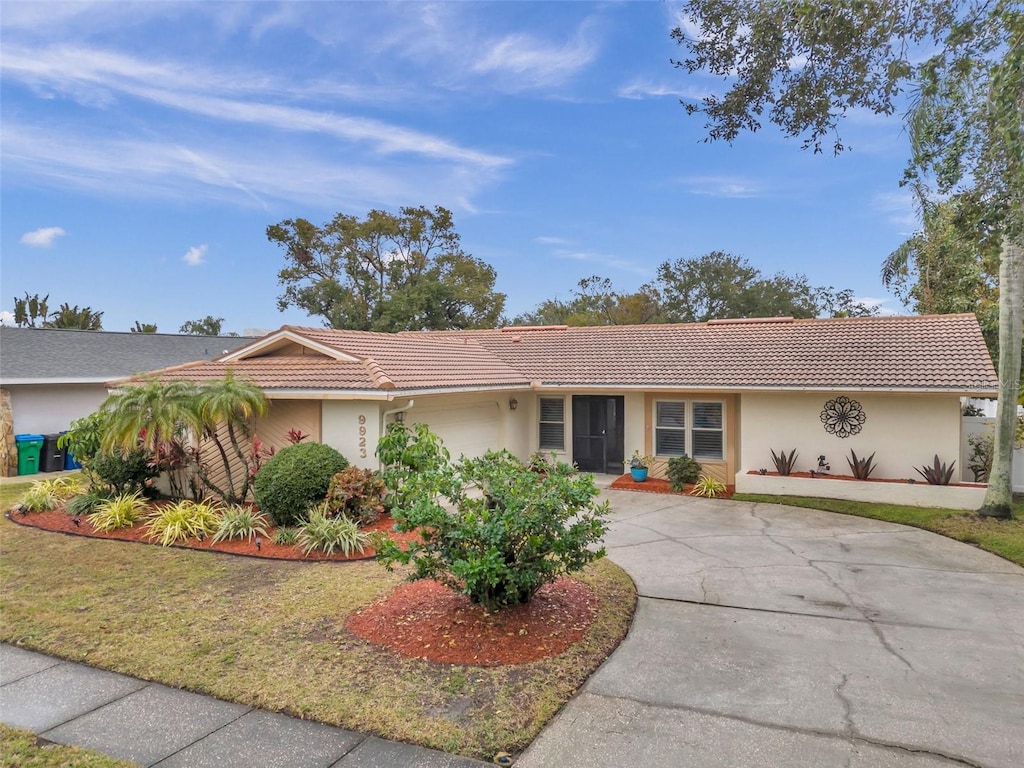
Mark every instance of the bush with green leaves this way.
pixel 84 504
pixel 238 522
pixel 708 487
pixel 183 520
pixel 357 494
pixel 322 533
pixel 83 440
pixel 415 463
pixel 124 472
pixel 122 511
pixel 39 498
pixel 61 488
pixel 286 537
pixel 682 471
pixel 502 531
pixel 294 479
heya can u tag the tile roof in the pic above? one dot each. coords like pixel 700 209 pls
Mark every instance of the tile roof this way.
pixel 50 355
pixel 923 353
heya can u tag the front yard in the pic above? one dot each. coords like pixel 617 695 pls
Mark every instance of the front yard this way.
pixel 271 634
pixel 1002 537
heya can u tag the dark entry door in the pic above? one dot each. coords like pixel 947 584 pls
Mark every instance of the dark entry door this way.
pixel 597 433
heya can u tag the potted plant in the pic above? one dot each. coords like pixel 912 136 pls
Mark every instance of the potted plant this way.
pixel 639 466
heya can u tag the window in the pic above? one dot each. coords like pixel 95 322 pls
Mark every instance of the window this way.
pixel 670 429
pixel 701 436
pixel 552 424
pixel 707 431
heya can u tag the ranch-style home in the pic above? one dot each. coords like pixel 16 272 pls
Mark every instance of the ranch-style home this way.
pixel 726 392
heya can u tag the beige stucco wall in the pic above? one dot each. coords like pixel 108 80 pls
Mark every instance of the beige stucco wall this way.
pixel 903 431
pixel 353 428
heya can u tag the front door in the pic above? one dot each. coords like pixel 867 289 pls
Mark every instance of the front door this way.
pixel 597 433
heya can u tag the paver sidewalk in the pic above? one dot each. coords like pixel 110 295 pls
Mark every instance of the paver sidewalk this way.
pixel 154 725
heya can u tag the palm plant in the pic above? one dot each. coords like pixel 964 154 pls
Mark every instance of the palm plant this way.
pixel 224 411
pixel 148 414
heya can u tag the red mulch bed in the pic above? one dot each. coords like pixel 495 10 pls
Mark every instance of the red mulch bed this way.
pixel 426 620
pixel 658 485
pixel 60 521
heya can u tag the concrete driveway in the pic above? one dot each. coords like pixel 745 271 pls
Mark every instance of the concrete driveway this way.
pixel 777 636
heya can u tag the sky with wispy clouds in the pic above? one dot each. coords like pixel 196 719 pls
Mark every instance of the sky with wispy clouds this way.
pixel 147 146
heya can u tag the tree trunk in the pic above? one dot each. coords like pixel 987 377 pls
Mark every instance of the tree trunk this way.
pixel 999 496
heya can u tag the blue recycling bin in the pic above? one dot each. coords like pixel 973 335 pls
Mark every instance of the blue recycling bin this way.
pixel 69 458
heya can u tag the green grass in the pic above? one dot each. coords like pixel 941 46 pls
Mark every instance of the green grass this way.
pixel 271 634
pixel 1001 537
pixel 22 749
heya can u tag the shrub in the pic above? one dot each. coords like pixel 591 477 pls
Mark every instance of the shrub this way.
pixel 85 504
pixel 61 488
pixel 682 471
pixel 241 523
pixel 326 534
pixel 938 473
pixel 296 478
pixel 415 463
pixel 122 511
pixel 784 463
pixel 39 498
pixel 861 468
pixel 286 537
pixel 708 487
pixel 500 547
pixel 124 472
pixel 357 494
pixel 980 461
pixel 183 520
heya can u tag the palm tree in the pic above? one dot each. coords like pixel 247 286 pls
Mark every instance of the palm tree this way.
pixel 148 414
pixel 227 407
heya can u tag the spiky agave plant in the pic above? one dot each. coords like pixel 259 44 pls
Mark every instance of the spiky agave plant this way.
pixel 938 473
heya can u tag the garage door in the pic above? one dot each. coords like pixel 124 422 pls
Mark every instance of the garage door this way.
pixel 466 430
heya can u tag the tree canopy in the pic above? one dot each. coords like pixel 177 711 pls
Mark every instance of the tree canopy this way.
pixel 33 311
pixel 716 285
pixel 805 65
pixel 387 272
pixel 206 326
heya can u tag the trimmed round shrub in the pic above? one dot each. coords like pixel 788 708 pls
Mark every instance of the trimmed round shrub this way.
pixel 294 479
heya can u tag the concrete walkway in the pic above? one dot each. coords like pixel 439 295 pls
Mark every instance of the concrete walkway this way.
pixel 154 725
pixel 776 636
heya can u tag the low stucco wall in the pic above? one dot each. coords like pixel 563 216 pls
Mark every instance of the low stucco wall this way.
pixel 915 495
pixel 903 431
pixel 47 408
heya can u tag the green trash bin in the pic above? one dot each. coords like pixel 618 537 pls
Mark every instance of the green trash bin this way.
pixel 29 448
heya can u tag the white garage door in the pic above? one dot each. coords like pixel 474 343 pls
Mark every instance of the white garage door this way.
pixel 466 430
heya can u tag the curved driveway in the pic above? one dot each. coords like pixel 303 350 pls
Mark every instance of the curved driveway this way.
pixel 776 636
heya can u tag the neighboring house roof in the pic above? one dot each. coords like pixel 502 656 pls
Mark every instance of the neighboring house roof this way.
pixel 58 356
pixel 934 353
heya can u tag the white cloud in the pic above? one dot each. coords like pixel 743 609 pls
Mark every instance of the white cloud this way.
pixel 42 237
pixel 223 171
pixel 195 255
pixel 898 208
pixel 722 186
pixel 544 240
pixel 6 318
pixel 643 89
pixel 536 63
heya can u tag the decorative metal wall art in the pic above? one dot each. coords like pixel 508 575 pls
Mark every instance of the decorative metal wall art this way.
pixel 843 417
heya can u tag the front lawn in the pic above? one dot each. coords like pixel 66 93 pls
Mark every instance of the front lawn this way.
pixel 271 634
pixel 21 749
pixel 1002 537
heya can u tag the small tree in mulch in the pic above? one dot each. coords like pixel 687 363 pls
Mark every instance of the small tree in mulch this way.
pixel 491 528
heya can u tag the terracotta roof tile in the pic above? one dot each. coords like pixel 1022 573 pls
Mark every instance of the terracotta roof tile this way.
pixel 935 353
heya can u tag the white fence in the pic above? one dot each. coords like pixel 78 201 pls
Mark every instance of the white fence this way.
pixel 973 425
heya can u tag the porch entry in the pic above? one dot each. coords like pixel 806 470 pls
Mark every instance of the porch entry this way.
pixel 598 440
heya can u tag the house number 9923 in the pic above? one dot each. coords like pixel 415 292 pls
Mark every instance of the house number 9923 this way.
pixel 362 436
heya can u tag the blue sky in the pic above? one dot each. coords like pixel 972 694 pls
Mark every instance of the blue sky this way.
pixel 146 147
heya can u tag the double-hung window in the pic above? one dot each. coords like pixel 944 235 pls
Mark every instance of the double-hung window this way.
pixel 552 423
pixel 695 428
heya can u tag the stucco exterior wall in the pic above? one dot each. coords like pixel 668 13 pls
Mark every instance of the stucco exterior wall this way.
pixel 353 427
pixel 903 431
pixel 47 408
